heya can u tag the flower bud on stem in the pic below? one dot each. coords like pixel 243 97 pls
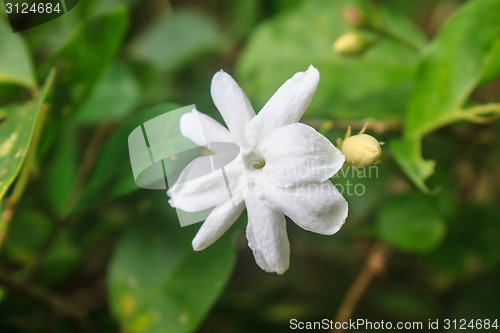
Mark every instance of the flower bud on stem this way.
pixel 361 149
pixel 350 44
pixel 354 17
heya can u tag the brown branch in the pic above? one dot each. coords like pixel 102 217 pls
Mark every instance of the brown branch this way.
pixel 375 263
pixel 56 302
pixel 376 126
pixel 88 160
pixel 5 218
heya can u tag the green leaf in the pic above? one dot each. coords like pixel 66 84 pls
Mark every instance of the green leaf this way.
pixel 15 62
pixel 54 34
pixel 16 127
pixel 112 175
pixel 113 97
pixel 350 88
pixel 173 40
pixel 88 53
pixel 408 154
pixel 158 283
pixel 492 71
pixel 453 66
pixel 411 223
pixel 61 171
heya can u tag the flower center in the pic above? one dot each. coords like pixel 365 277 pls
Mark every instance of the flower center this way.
pixel 258 164
pixel 254 161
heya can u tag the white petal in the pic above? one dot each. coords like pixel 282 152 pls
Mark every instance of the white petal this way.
pixel 286 106
pixel 232 104
pixel 198 193
pixel 267 237
pixel 217 222
pixel 202 129
pixel 316 207
pixel 200 187
pixel 296 154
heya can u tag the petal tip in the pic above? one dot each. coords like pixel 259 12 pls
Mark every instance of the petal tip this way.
pixel 196 248
pixel 313 71
pixel 310 75
pixel 280 272
pixel 219 75
pixel 198 245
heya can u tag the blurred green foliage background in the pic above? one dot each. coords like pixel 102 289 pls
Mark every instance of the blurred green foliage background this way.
pixel 84 250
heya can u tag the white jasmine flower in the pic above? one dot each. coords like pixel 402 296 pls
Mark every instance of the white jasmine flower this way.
pixel 282 169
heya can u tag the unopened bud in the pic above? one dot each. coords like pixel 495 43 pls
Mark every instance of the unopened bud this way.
pixel 361 150
pixel 354 17
pixel 349 44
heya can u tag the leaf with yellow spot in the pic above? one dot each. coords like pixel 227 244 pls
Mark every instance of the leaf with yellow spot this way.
pixel 158 283
pixel 128 305
pixel 16 128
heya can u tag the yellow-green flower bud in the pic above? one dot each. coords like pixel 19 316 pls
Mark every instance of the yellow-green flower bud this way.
pixel 361 150
pixel 349 44
pixel 354 17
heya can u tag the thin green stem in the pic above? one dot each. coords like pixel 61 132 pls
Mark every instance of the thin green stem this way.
pixel 483 109
pixel 382 33
pixel 474 114
pixel 375 12
pixel 378 28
